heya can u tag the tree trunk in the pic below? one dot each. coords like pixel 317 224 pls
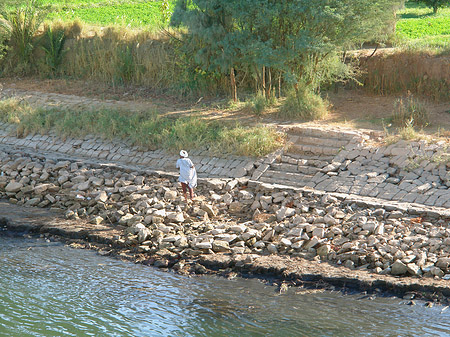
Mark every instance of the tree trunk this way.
pixel 279 86
pixel 264 81
pixel 233 85
pixel 269 84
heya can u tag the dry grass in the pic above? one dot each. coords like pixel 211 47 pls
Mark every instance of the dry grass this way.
pixel 420 73
pixel 147 129
pixel 120 56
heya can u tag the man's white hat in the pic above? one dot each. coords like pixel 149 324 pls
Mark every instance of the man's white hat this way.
pixel 183 154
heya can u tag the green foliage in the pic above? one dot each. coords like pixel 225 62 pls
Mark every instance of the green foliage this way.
pixel 254 141
pixel 145 128
pixel 166 11
pixel 410 113
pixel 419 28
pixel 18 27
pixel 269 39
pixel 436 4
pixel 259 103
pixel 149 14
pixel 303 104
pixel 53 46
pixel 125 66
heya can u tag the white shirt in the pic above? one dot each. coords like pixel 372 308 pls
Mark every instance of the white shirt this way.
pixel 188 174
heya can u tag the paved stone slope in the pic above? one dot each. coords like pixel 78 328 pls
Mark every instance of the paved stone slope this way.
pixel 120 152
pixel 408 172
pixel 326 160
pixel 309 151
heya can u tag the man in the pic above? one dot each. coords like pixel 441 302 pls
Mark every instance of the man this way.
pixel 188 175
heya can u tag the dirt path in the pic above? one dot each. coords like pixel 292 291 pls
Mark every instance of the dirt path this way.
pixel 353 109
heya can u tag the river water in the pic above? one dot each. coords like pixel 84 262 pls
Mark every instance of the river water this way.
pixel 48 289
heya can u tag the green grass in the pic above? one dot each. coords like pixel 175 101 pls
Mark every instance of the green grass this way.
pixel 134 13
pixel 417 26
pixel 146 129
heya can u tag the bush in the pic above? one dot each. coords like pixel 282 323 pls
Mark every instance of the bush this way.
pixel 255 141
pixel 53 45
pixel 19 28
pixel 408 133
pixel 303 104
pixel 410 112
pixel 125 65
pixel 258 103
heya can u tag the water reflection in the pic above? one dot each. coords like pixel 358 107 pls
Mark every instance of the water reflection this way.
pixel 51 290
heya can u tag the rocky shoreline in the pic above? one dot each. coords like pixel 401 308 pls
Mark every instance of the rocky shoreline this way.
pixel 234 226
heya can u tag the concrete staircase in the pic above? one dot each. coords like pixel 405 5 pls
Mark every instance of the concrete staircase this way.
pixel 310 149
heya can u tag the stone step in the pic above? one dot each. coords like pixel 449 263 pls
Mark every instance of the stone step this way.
pixel 283 182
pixel 304 169
pixel 287 176
pixel 314 149
pixel 308 157
pixel 320 141
pixel 347 135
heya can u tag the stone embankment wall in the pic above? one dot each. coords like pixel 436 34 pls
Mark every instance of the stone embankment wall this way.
pixel 100 150
pixel 117 151
pixel 330 160
pixel 403 172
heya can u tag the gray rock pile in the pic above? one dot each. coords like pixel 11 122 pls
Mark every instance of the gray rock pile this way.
pixel 232 216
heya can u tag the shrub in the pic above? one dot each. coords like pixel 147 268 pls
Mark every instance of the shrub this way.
pixel 259 103
pixel 53 45
pixel 407 133
pixel 245 141
pixel 410 112
pixel 20 27
pixel 125 65
pixel 303 104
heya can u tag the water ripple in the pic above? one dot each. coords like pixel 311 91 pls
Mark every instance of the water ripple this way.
pixel 48 289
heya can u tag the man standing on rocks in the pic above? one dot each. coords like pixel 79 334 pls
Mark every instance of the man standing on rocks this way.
pixel 188 174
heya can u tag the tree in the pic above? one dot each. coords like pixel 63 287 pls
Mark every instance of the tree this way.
pixel 436 4
pixel 280 39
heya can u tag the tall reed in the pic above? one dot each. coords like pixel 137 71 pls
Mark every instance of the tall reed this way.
pixel 420 73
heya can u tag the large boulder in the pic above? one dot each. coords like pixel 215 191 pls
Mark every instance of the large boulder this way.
pixel 399 268
pixel 13 187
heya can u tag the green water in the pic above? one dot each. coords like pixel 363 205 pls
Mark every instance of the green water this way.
pixel 47 289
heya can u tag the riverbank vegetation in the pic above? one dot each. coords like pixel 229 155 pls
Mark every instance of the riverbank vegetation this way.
pixel 279 56
pixel 143 128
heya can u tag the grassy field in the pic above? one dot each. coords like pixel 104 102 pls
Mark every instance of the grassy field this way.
pixel 127 13
pixel 417 26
